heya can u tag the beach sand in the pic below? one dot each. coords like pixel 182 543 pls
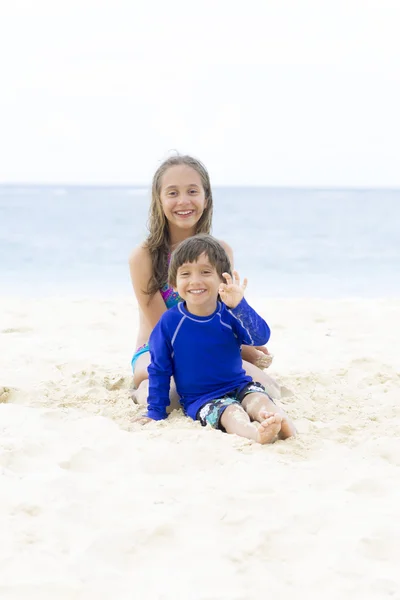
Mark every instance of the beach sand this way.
pixel 93 506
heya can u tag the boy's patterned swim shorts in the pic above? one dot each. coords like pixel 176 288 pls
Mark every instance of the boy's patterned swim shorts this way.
pixel 211 412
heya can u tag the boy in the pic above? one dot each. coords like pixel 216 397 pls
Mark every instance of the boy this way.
pixel 204 332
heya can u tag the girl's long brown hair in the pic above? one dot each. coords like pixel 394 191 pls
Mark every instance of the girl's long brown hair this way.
pixel 158 240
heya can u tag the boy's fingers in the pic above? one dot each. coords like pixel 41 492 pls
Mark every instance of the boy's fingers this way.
pixel 141 420
pixel 263 349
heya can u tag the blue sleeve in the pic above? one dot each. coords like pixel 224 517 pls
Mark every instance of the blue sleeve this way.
pixel 250 328
pixel 160 371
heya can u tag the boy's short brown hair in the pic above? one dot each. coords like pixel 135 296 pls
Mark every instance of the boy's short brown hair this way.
pixel 189 251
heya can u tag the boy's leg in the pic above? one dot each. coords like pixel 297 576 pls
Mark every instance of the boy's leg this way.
pixel 234 419
pixel 256 404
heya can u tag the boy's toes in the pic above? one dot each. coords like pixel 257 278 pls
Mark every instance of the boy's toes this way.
pixel 264 414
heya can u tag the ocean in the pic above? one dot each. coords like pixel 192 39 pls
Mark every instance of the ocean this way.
pixel 62 240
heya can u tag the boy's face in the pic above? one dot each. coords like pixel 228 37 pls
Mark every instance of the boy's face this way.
pixel 198 284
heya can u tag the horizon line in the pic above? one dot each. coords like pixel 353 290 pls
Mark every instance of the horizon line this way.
pixel 321 187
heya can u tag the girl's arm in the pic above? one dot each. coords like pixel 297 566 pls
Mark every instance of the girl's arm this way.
pixel 140 268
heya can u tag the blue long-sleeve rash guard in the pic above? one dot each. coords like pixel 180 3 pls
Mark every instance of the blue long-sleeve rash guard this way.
pixel 202 354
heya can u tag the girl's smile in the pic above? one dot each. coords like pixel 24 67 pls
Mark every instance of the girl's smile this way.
pixel 184 214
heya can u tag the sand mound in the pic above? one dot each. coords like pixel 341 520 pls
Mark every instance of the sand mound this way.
pixel 94 506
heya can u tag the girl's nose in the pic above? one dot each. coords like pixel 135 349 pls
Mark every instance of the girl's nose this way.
pixel 184 199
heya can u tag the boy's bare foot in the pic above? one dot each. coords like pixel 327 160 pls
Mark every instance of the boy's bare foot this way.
pixel 269 429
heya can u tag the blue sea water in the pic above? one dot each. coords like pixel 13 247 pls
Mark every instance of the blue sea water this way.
pixel 288 242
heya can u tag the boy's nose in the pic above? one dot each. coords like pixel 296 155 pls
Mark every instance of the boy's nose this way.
pixel 195 280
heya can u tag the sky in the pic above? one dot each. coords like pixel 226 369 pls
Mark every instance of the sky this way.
pixel 264 92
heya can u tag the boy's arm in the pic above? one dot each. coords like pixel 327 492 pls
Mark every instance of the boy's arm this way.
pixel 160 371
pixel 251 329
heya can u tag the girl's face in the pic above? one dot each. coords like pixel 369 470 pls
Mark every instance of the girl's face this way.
pixel 182 196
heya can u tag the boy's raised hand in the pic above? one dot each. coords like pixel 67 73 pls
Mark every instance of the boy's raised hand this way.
pixel 231 292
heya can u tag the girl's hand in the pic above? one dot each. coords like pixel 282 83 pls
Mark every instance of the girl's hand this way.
pixel 231 292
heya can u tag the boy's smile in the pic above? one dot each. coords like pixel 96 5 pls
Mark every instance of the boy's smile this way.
pixel 198 284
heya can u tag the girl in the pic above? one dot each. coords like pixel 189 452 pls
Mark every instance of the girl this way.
pixel 181 206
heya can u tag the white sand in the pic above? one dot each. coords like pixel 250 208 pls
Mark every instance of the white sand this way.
pixel 93 507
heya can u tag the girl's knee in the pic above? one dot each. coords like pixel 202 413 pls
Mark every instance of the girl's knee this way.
pixel 140 375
